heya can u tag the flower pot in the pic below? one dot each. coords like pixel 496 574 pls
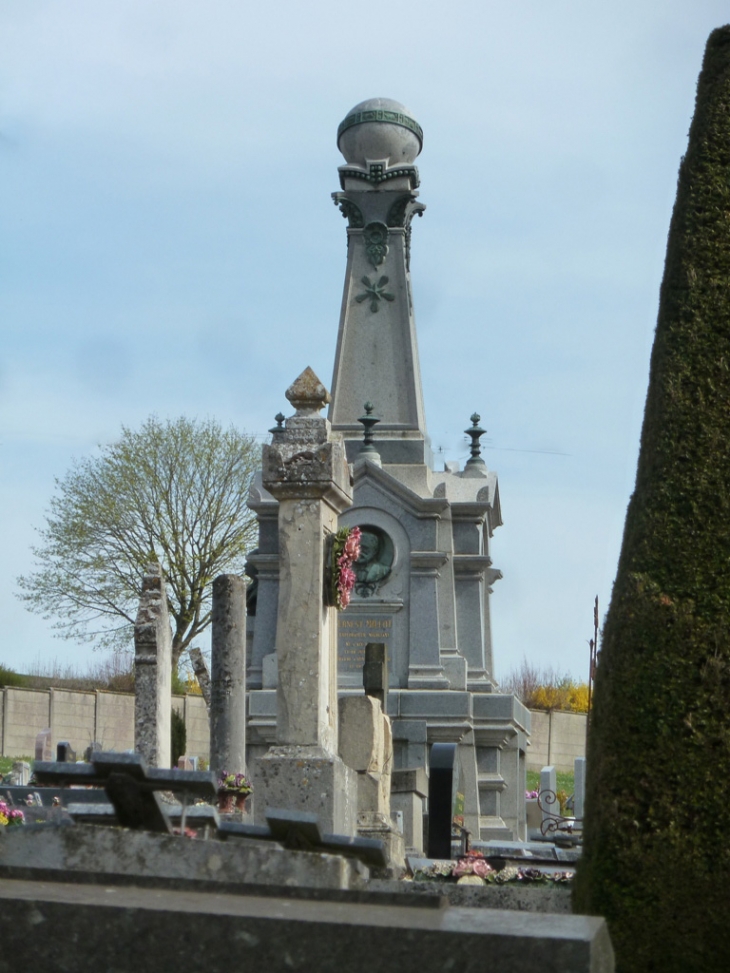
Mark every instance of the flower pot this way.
pixel 225 801
pixel 241 801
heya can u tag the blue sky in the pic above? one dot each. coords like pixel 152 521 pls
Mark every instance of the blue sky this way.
pixel 168 245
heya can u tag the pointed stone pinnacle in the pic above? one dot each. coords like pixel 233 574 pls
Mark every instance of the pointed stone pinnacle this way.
pixel 307 394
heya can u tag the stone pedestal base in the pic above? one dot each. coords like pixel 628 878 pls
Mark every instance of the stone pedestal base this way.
pixel 427 677
pixel 408 791
pixel 298 778
pixel 372 824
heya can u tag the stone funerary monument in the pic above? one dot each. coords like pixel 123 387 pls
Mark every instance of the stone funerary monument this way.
pixel 425 573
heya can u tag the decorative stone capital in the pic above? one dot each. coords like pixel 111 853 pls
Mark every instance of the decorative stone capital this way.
pixel 303 461
pixel 292 472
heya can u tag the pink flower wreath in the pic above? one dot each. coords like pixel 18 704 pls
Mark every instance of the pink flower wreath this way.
pixel 345 551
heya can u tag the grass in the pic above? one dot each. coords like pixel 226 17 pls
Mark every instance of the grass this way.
pixel 6 763
pixel 565 780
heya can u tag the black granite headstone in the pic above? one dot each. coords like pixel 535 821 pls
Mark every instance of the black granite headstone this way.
pixel 94 747
pixel 375 672
pixel 65 753
pixel 442 772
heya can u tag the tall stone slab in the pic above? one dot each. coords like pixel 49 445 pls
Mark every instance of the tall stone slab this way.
pixel 153 671
pixel 228 675
pixel 306 470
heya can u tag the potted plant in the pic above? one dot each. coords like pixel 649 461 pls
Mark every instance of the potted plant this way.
pixel 232 789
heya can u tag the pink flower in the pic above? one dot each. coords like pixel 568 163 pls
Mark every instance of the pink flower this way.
pixel 472 866
pixel 352 544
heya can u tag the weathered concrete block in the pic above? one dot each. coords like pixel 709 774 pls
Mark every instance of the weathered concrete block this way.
pixel 381 828
pixel 117 851
pixel 410 805
pixel 307 779
pixel 362 738
pixel 87 928
pixel 373 793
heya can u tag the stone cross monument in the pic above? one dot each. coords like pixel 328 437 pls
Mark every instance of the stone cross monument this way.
pixel 305 469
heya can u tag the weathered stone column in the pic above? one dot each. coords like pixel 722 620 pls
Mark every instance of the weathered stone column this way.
pixel 228 675
pixel 306 470
pixel 153 671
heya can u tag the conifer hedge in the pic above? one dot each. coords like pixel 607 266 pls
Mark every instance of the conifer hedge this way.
pixel 656 857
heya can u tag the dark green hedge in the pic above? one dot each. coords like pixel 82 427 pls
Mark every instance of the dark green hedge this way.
pixel 657 833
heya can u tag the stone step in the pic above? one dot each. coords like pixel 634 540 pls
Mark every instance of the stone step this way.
pixel 493 828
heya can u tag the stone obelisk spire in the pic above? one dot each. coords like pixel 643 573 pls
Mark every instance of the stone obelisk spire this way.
pixel 377 354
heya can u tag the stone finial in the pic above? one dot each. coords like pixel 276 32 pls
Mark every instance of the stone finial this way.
pixel 307 394
pixel 277 431
pixel 475 432
pixel 369 421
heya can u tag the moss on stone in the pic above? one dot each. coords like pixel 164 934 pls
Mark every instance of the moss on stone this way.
pixel 657 833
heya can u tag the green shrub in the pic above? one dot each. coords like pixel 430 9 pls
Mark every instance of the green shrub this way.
pixel 656 858
pixel 179 737
pixel 546 689
pixel 8 677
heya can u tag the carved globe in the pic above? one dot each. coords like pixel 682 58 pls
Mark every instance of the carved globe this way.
pixel 378 129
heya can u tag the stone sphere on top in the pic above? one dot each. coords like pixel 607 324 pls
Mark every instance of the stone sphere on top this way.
pixel 379 129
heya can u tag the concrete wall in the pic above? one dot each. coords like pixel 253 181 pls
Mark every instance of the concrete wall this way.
pixel 557 739
pixel 82 717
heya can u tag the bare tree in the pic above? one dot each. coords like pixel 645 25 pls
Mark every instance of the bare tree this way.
pixel 174 492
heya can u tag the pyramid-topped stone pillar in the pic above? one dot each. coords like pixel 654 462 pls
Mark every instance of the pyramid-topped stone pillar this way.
pixel 306 470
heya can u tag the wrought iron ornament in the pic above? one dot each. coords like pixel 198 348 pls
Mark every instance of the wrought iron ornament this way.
pixel 557 825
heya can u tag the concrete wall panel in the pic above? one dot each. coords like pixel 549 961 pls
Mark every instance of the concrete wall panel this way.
pixel 198 728
pixel 27 713
pixel 72 718
pixel 115 721
pixel 557 739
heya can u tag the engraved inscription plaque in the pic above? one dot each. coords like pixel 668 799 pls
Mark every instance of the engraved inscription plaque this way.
pixel 354 631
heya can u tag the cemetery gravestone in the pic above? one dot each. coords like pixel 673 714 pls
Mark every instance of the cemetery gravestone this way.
pixel 305 469
pixel 548 796
pixel 375 672
pixel 65 753
pixel 228 675
pixel 444 798
pixel 43 748
pixel 21 769
pixel 201 674
pixel 153 672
